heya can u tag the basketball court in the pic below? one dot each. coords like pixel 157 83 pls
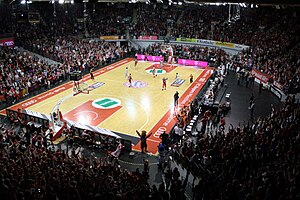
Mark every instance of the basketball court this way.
pixel 113 105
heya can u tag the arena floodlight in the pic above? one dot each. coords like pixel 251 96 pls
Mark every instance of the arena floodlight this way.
pixel 23 2
pixel 61 1
pixel 180 3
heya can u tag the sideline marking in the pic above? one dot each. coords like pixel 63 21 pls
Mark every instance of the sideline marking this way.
pixel 167 122
pixel 62 88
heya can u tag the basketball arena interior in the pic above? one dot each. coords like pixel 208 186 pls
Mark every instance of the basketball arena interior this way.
pixel 149 99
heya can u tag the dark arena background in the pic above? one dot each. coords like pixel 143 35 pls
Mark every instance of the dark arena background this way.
pixel 149 99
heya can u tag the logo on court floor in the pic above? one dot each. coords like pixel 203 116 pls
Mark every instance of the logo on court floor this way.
pixel 157 71
pixel 106 103
pixel 136 84
pixel 178 82
pixel 96 85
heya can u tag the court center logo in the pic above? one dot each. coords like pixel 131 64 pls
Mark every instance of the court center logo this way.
pixel 106 103
pixel 136 84
pixel 157 71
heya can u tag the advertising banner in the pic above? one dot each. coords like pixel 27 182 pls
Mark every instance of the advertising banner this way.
pixel 7 42
pixel 240 46
pixel 192 62
pixel 276 91
pixel 259 75
pixel 149 58
pixel 278 85
pixel 224 44
pixel 210 42
pixel 110 37
pixel 186 39
pixel 152 37
pixel 141 57
pixel 155 58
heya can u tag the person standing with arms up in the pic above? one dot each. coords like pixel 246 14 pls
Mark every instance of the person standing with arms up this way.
pixel 143 138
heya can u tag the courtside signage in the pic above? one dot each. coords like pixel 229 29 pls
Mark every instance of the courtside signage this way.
pixel 106 103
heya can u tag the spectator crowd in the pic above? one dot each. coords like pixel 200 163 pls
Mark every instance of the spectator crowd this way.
pixel 253 161
pixel 22 74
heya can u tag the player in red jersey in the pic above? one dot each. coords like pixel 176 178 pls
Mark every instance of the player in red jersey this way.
pixel 130 80
pixel 164 85
pixel 154 72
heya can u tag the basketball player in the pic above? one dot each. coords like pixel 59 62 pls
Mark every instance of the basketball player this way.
pixel 154 72
pixel 130 80
pixel 91 73
pixel 191 78
pixel 164 85
pixel 136 62
pixel 176 77
pixel 76 85
pixel 126 72
pixel 161 64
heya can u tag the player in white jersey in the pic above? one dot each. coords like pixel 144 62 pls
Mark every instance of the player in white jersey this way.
pixel 126 72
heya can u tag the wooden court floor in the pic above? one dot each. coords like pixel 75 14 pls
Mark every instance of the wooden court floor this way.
pixel 112 105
